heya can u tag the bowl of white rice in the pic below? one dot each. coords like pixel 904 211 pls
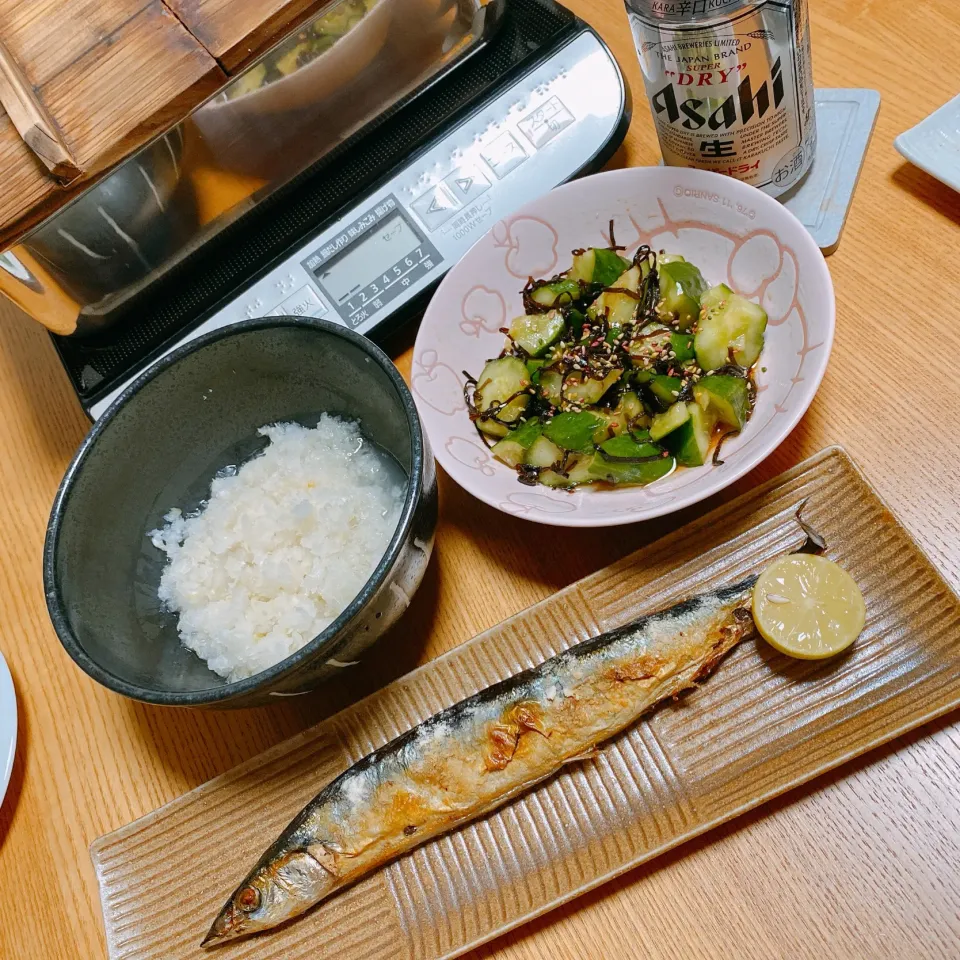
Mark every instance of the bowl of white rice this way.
pixel 246 519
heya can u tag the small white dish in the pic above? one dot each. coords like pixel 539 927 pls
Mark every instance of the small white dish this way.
pixel 733 232
pixel 8 726
pixel 933 144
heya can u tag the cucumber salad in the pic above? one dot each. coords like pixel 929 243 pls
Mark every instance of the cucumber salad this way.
pixel 618 372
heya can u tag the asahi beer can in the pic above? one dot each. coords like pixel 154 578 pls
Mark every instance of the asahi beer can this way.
pixel 730 85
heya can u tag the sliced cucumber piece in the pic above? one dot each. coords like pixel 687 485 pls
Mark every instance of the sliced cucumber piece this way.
pixel 629 414
pixel 611 424
pixel 619 308
pixel 551 382
pixel 630 280
pixel 637 416
pixel 542 453
pixel 622 309
pixel 639 427
pixel 715 297
pixel 572 431
pixel 557 293
pixel 527 432
pixel 582 391
pixel 550 478
pixel 630 448
pixel 631 406
pixel 728 398
pixel 577 471
pixel 681 287
pixel 513 447
pixel 533 368
pixel 664 423
pixel 501 381
pixel 731 328
pixel 630 461
pixel 682 346
pixel 534 333
pixel 665 390
pixel 597 266
pixel 583 267
pixel 508 451
pixel 690 443
pixel 608 266
pixel 648 343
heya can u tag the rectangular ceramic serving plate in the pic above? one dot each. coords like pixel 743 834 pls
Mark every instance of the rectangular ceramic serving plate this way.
pixel 759 726
pixel 934 144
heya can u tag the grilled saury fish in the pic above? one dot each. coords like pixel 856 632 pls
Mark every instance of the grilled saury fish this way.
pixel 482 752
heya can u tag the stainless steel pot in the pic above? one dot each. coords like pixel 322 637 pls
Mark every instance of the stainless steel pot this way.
pixel 81 269
pixel 101 248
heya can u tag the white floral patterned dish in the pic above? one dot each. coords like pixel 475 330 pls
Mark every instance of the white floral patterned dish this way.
pixel 733 232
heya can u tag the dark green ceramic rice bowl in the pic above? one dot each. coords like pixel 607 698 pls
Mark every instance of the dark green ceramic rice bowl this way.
pixel 160 444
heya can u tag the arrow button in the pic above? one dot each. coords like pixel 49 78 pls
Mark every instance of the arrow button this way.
pixel 439 204
pixel 467 185
pixel 436 206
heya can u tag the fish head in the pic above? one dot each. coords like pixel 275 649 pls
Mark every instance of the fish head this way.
pixel 275 891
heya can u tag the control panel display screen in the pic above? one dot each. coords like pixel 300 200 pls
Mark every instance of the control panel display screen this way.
pixel 371 261
pixel 389 245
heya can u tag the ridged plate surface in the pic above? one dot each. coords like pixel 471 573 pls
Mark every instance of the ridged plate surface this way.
pixel 760 725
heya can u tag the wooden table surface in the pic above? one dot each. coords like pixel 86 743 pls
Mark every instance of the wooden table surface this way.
pixel 861 864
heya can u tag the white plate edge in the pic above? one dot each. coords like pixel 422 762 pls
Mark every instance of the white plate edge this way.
pixel 7 690
pixel 907 145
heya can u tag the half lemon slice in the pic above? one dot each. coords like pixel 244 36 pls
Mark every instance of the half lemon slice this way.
pixel 808 607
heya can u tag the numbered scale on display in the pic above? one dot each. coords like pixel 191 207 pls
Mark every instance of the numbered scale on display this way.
pixel 370 263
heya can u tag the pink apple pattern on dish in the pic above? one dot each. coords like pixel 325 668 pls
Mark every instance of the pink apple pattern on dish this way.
pixel 437 384
pixel 531 245
pixel 483 310
pixel 523 503
pixel 755 264
pixel 471 453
